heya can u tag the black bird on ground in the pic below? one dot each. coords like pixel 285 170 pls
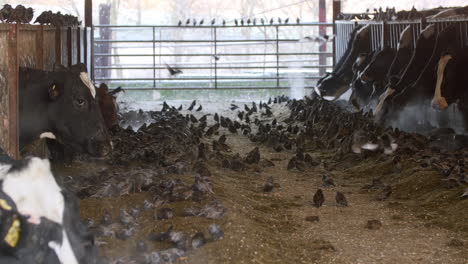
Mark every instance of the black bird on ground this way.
pixel 216 117
pixel 319 198
pixel 233 107
pixel 327 181
pixel 199 108
pixel 173 71
pixel 269 184
pixel 341 199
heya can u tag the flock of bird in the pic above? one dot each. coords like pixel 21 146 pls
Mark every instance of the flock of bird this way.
pixel 23 15
pixel 239 22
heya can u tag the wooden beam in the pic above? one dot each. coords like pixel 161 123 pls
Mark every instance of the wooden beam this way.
pixel 40 48
pixel 88 13
pixel 13 76
pixel 58 45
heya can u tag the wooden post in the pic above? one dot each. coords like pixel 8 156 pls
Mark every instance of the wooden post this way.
pixel 322 32
pixel 40 48
pixel 58 45
pixel 69 47
pixel 88 13
pixel 336 12
pixel 13 76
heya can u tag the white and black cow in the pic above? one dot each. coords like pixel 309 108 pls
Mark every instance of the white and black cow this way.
pixel 421 55
pixel 339 81
pixel 61 105
pixel 43 221
pixel 423 88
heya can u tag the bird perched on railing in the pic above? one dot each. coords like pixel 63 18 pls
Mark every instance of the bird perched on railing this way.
pixel 180 23
pixel 286 20
pixel 5 12
pixel 213 21
pixel 194 22
pixel 248 21
pixel 262 21
pixel 235 22
pixel 254 21
pixel 201 22
pixel 17 14
pixel 173 71
pixel 298 20
pixel 271 21
pixel 29 15
pixel 44 18
pixel 187 22
pixel 324 38
pixel 279 20
pixel 242 22
pixel 224 22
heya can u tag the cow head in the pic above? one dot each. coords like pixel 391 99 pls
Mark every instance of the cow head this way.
pixel 377 67
pixel 74 112
pixel 108 106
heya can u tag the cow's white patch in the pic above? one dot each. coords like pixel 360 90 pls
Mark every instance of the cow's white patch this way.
pixel 47 135
pixel 35 191
pixel 438 101
pixel 382 98
pixel 329 98
pixel 364 29
pixel 360 59
pixel 445 13
pixel 64 250
pixel 317 91
pixel 405 38
pixel 85 79
pixel 3 170
pixel 370 146
pixel 428 31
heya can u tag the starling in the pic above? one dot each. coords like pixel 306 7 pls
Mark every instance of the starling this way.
pixel 286 20
pixel 216 117
pixel 194 22
pixel 180 108
pixel 298 20
pixel 242 22
pixel 292 163
pixel 6 12
pixel 213 21
pixel 254 21
pixel 187 22
pixel 318 199
pixel 192 105
pixel 253 156
pixel 236 22
pixel 173 70
pixel 248 21
pixel 279 20
pixel 233 107
pixel 262 21
pixel 385 194
pixel 224 22
pixel 271 21
pixel 327 181
pixel 341 199
pixel 199 108
pixel 201 22
pixel 180 23
pixel 269 184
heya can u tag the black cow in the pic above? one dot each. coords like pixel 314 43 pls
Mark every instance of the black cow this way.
pixel 422 53
pixel 371 80
pixel 42 218
pixel 358 88
pixel 403 55
pixel 452 79
pixel 338 82
pixel 422 90
pixel 61 104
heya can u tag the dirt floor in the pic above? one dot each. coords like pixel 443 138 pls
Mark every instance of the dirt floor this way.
pixel 421 222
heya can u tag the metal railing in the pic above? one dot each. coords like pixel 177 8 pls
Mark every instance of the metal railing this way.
pixel 210 57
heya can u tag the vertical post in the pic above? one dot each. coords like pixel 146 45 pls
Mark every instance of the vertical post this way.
pixel 385 35
pixel 88 13
pixel 277 57
pixel 91 60
pixel 336 11
pixel 13 75
pixel 69 47
pixel 40 48
pixel 78 45
pixel 85 48
pixel 154 57
pixel 216 56
pixel 58 45
pixel 322 32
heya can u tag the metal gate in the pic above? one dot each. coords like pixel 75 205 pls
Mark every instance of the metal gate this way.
pixel 260 56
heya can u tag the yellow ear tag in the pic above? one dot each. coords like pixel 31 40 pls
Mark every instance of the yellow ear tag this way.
pixel 53 87
pixel 4 205
pixel 13 234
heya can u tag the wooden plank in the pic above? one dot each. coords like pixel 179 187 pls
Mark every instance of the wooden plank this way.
pixel 69 47
pixel 58 45
pixel 13 76
pixel 40 48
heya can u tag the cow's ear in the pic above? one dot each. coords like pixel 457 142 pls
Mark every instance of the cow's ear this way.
pixel 60 68
pixel 55 91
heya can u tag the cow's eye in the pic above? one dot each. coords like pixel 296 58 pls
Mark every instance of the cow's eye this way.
pixel 80 101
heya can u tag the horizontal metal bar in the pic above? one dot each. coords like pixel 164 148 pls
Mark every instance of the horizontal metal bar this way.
pixel 218 88
pixel 196 41
pixel 218 26
pixel 207 78
pixel 210 55
pixel 210 68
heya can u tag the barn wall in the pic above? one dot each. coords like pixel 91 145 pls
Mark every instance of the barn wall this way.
pixel 32 46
